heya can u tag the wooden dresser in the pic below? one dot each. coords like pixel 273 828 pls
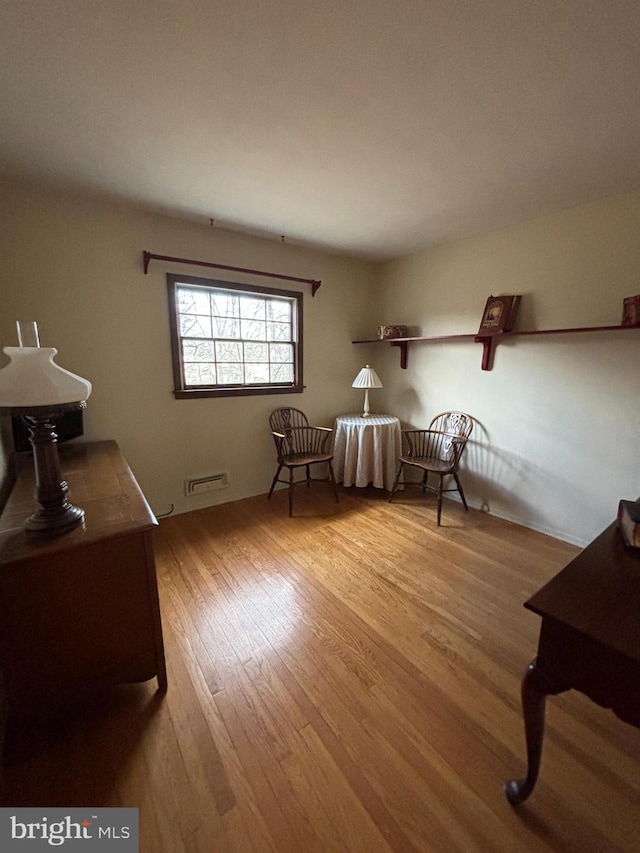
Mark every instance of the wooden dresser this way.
pixel 79 611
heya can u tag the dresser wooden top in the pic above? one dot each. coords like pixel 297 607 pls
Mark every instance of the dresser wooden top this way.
pixel 100 482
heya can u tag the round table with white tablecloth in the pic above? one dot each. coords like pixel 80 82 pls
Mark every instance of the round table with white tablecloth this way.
pixel 366 450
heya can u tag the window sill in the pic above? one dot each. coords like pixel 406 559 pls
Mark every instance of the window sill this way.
pixel 197 393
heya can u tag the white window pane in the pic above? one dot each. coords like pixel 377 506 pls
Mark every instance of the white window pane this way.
pixel 195 326
pixel 225 327
pixel 278 332
pixel 282 373
pixel 199 374
pixel 193 301
pixel 225 304
pixel 256 352
pixel 228 351
pixel 198 351
pixel 281 352
pixel 253 330
pixel 279 310
pixel 252 308
pixel 256 373
pixel 230 374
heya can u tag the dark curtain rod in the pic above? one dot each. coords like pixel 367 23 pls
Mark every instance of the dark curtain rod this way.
pixel 147 257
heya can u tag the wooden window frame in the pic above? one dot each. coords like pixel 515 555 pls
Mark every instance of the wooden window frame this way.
pixel 182 391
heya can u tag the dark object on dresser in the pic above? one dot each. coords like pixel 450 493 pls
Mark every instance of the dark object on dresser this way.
pixel 68 425
pixel 629 522
pixel 631 311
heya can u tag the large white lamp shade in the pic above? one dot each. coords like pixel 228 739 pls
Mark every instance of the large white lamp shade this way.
pixel 32 378
pixel 34 386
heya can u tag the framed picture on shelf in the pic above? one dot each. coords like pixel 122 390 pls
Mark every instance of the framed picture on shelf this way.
pixel 499 314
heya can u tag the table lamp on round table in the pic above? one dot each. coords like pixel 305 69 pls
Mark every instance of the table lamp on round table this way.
pixel 367 378
pixel 36 388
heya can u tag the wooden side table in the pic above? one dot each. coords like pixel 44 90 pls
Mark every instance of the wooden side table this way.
pixel 79 610
pixel 589 641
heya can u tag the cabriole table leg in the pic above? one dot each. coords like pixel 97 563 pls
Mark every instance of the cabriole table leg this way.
pixel 536 686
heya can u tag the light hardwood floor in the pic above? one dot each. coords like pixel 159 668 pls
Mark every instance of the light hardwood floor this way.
pixel 344 680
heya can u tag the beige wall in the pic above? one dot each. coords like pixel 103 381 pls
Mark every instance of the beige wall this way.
pixel 557 438
pixel 557 441
pixel 75 265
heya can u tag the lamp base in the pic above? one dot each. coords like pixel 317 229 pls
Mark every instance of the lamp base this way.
pixel 365 413
pixel 55 515
pixel 46 522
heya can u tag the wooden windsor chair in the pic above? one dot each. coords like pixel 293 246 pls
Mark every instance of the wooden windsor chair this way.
pixel 299 445
pixel 437 451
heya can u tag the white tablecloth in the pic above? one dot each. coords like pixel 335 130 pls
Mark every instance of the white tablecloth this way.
pixel 366 450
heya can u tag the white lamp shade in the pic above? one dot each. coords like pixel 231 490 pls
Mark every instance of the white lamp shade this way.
pixel 33 379
pixel 367 378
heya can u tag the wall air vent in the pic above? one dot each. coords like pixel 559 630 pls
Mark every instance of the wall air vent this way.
pixel 210 483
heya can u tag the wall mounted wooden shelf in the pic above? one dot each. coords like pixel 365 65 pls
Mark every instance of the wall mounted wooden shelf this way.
pixel 489 342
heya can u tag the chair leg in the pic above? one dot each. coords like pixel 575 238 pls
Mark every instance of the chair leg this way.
pixel 333 480
pixel 459 485
pixel 425 479
pixel 275 480
pixel 290 492
pixel 308 477
pixel 395 485
pixel 440 499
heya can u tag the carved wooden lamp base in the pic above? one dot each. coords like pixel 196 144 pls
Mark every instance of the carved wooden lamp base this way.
pixel 46 522
pixel 55 515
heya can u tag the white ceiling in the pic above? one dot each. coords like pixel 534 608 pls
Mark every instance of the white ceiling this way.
pixel 374 128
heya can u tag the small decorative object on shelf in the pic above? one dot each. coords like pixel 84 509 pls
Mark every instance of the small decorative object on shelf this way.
pixel 386 332
pixel 631 311
pixel 499 314
pixel 629 522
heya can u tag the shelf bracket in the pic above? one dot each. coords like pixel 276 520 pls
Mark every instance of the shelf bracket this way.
pixel 403 352
pixel 488 349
